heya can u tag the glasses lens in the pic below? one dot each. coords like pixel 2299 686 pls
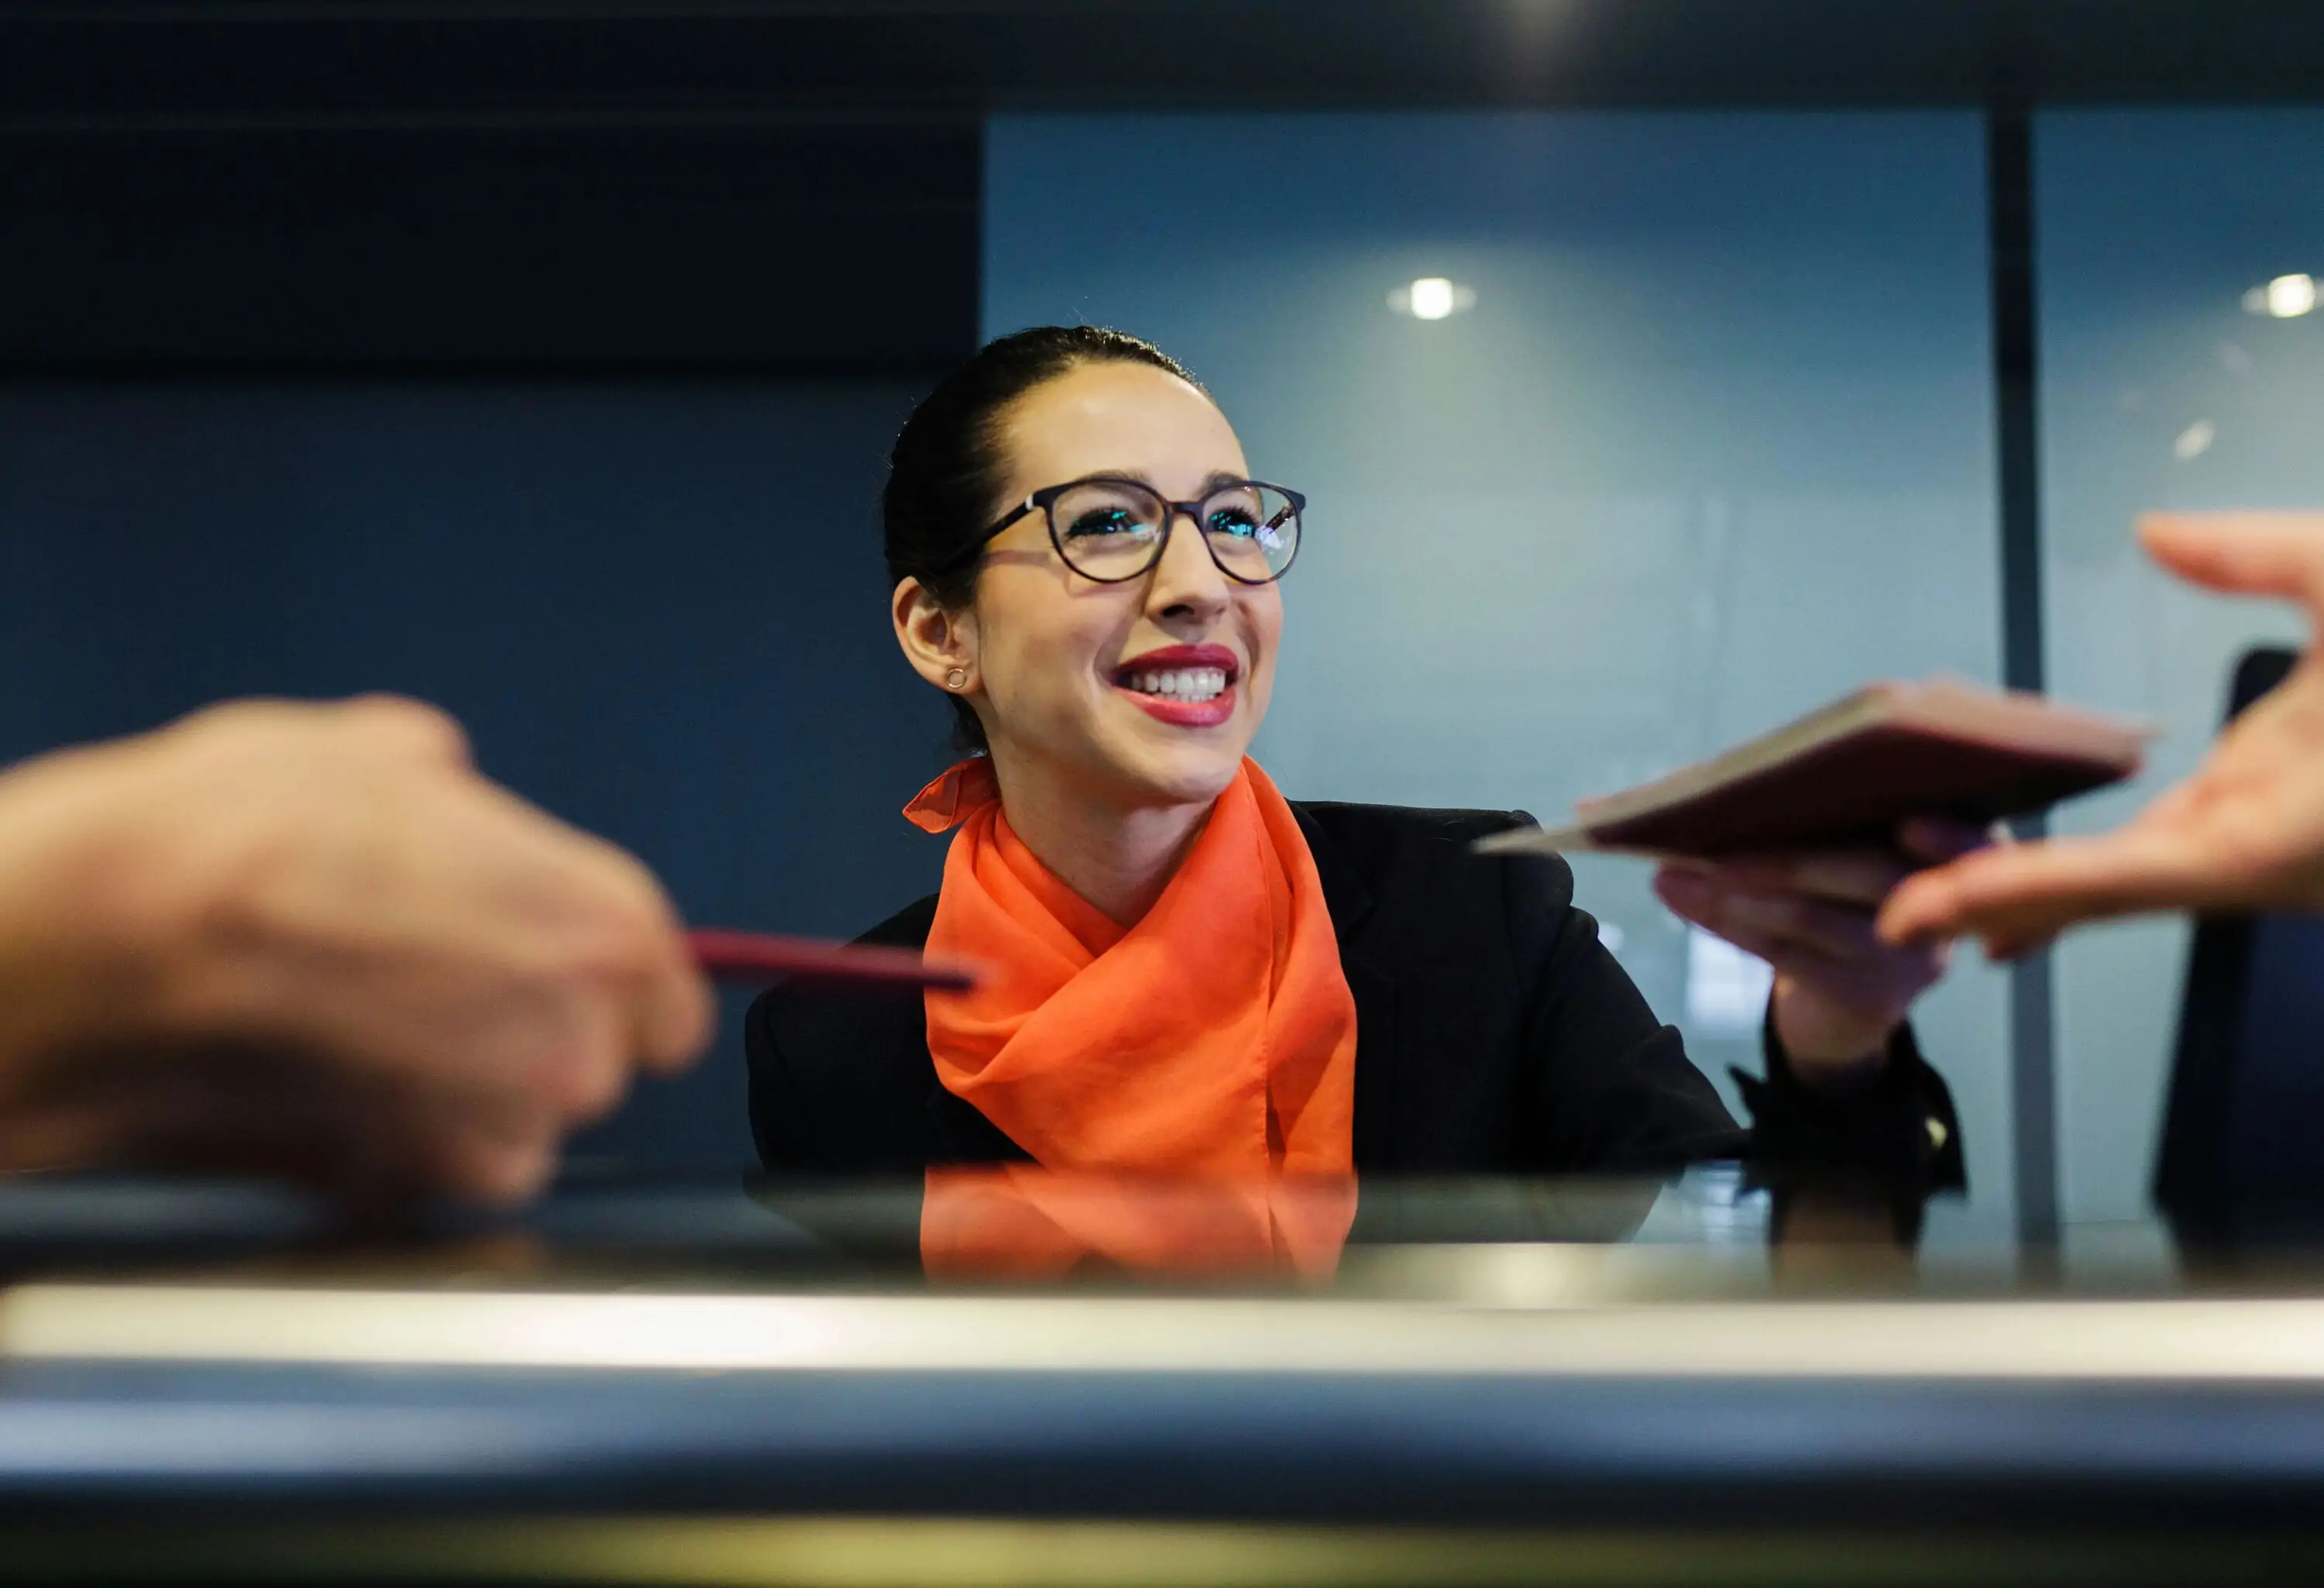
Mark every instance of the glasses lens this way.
pixel 1253 531
pixel 1107 530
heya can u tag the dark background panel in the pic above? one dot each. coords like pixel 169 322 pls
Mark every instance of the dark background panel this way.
pixel 502 367
pixel 659 611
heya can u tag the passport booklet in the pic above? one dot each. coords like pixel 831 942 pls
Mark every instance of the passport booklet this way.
pixel 1849 774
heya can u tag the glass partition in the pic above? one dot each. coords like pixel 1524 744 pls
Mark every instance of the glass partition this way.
pixel 1625 435
pixel 2181 363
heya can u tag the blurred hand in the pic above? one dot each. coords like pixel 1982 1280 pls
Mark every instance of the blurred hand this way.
pixel 2245 831
pixel 313 940
pixel 1840 990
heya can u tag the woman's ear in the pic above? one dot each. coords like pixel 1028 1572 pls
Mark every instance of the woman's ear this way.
pixel 939 642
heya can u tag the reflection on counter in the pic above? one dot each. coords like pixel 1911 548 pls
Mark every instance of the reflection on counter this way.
pixel 1019 1223
pixel 1015 1220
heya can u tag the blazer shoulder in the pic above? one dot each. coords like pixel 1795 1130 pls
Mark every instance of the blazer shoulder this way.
pixel 909 928
pixel 1380 841
pixel 839 1082
pixel 1352 822
pixel 1404 882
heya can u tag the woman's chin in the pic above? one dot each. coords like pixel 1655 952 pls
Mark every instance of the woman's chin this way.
pixel 1183 774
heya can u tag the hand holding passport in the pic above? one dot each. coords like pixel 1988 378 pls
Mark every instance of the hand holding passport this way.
pixel 1849 776
pixel 1787 845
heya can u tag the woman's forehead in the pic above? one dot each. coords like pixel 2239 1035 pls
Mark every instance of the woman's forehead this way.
pixel 1120 418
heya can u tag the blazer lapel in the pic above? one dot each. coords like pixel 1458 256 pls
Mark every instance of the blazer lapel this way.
pixel 1350 901
pixel 954 1129
pixel 958 1132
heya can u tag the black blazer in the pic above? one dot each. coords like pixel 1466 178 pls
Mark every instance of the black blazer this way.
pixel 1494 1034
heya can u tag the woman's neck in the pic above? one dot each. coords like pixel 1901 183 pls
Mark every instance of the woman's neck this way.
pixel 1119 858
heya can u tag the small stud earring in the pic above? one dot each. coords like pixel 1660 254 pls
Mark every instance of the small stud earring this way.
pixel 957 679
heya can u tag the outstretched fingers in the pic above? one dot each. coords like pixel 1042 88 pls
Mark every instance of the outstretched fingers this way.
pixel 2244 553
pixel 2024 893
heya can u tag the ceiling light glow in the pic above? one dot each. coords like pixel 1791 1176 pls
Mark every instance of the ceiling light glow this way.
pixel 1431 298
pixel 2289 297
pixel 2284 297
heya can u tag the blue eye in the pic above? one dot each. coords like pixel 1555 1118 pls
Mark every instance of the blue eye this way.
pixel 1105 521
pixel 1233 521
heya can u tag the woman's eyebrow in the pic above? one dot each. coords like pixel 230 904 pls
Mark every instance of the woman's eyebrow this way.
pixel 1216 480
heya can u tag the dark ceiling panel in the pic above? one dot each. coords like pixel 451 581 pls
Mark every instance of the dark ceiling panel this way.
pixel 522 250
pixel 755 185
pixel 342 58
pixel 340 69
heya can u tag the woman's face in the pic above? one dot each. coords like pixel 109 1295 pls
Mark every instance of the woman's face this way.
pixel 1104 683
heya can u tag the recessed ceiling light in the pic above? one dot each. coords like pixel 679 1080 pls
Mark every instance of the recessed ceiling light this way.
pixel 2284 297
pixel 1431 298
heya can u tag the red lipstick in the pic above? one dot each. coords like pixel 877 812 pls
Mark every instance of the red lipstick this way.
pixel 1173 658
pixel 1175 710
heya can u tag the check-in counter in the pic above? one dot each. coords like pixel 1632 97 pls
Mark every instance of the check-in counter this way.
pixel 719 1387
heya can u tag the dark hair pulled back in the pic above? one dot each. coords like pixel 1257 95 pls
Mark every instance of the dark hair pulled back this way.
pixel 945 473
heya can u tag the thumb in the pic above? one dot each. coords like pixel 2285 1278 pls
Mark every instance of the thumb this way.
pixel 2244 553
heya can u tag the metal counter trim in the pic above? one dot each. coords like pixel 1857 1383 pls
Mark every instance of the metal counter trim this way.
pixel 2099 1341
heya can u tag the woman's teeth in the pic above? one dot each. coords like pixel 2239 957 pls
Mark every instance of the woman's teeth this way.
pixel 1192 684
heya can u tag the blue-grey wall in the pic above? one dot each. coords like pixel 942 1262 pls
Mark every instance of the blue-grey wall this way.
pixel 660 612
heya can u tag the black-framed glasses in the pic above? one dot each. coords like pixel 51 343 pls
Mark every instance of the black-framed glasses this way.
pixel 1112 529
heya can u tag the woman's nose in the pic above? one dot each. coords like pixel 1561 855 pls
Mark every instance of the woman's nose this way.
pixel 1187 578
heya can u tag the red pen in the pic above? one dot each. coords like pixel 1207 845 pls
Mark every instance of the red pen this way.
pixel 758 958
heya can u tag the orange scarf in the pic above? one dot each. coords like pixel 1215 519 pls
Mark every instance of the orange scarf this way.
pixel 1216 1037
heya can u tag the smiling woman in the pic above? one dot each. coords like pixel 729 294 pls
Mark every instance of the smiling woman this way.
pixel 1192 973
